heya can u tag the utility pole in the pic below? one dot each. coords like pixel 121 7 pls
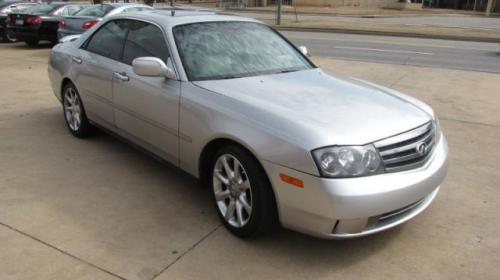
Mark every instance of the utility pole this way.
pixel 489 7
pixel 278 13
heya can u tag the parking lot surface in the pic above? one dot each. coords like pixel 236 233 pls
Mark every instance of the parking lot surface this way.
pixel 99 209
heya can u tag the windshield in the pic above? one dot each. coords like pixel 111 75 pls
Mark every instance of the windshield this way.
pixel 42 9
pixel 95 11
pixel 224 50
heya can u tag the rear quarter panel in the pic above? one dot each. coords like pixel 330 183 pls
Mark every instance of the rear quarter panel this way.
pixel 60 67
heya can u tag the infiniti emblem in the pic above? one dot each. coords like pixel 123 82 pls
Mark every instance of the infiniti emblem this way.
pixel 421 148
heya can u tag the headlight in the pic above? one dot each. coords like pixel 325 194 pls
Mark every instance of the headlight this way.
pixel 348 161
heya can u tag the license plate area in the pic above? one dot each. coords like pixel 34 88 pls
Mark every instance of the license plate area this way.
pixel 19 22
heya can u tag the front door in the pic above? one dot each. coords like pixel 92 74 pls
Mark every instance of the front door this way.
pixel 97 61
pixel 147 108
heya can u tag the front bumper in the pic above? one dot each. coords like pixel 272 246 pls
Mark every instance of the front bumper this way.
pixel 354 207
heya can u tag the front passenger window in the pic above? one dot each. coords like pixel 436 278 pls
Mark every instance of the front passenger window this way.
pixel 108 40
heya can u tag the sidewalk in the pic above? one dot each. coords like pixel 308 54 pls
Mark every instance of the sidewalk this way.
pixel 430 23
pixel 406 30
pixel 364 11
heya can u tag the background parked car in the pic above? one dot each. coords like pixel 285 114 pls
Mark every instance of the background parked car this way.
pixel 40 23
pixel 86 18
pixel 6 8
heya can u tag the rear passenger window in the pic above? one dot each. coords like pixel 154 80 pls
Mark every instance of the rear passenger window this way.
pixel 144 39
pixel 72 10
pixel 109 39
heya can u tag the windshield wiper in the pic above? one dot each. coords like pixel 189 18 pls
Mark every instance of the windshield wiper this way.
pixel 225 77
pixel 289 70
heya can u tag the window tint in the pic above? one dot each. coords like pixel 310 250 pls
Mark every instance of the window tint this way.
pixel 72 10
pixel 43 8
pixel 136 9
pixel 22 7
pixel 108 40
pixel 144 39
pixel 95 10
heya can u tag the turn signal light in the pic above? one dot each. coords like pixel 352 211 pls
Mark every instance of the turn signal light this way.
pixel 89 24
pixel 62 24
pixel 292 180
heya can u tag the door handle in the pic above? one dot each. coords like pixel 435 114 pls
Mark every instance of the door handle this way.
pixel 76 59
pixel 122 76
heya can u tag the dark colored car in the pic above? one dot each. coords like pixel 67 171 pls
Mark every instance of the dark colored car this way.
pixel 7 7
pixel 87 17
pixel 40 23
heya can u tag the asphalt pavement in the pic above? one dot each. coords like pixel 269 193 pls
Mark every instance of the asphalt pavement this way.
pixel 449 54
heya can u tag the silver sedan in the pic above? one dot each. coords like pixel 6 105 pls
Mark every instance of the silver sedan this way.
pixel 276 139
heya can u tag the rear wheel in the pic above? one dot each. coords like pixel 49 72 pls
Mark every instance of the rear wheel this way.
pixel 74 113
pixel 242 193
pixel 32 42
pixel 8 38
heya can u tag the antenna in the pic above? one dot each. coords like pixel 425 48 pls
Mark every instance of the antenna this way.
pixel 172 11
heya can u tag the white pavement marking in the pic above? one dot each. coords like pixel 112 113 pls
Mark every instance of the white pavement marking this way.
pixel 381 50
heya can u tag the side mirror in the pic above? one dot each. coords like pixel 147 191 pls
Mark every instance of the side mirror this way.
pixel 304 50
pixel 152 67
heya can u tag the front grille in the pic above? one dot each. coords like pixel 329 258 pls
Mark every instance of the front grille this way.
pixel 407 150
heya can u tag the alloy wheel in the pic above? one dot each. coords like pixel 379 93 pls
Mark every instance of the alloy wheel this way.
pixel 72 109
pixel 232 190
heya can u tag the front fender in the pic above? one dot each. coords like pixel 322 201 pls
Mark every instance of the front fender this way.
pixel 205 116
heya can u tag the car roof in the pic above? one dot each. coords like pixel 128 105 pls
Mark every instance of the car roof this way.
pixel 181 16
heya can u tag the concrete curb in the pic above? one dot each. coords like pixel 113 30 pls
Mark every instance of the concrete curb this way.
pixel 389 33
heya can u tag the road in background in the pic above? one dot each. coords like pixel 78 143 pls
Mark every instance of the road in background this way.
pixel 474 22
pixel 462 55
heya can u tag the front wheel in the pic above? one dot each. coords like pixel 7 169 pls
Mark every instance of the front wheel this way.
pixel 74 113
pixel 242 193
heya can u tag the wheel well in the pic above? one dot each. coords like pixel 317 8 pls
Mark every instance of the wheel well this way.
pixel 207 155
pixel 64 82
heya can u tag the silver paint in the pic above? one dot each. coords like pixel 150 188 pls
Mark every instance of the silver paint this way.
pixel 279 118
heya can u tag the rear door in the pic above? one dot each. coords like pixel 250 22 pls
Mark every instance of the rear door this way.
pixel 147 108
pixel 98 59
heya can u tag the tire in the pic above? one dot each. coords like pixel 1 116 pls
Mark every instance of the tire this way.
pixel 74 113
pixel 7 38
pixel 32 42
pixel 253 211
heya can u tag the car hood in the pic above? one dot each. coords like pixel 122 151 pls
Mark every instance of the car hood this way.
pixel 321 109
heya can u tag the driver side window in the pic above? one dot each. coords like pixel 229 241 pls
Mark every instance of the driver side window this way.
pixel 144 39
